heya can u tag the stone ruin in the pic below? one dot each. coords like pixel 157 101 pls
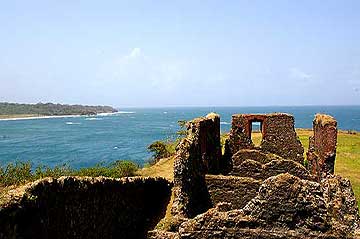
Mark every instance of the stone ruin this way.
pixel 259 192
pixel 236 190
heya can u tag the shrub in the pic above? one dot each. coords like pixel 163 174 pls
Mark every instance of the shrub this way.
pixel 125 168
pixel 16 174
pixel 57 171
pixel 161 149
pixel 20 172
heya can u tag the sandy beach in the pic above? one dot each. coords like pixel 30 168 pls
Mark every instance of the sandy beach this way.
pixel 32 117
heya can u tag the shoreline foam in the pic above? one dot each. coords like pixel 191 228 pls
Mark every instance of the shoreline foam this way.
pixel 64 116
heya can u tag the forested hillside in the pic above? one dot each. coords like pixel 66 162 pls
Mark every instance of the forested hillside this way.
pixel 49 109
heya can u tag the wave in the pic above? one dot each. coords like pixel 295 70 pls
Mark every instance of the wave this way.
pixel 222 122
pixel 116 113
pixel 94 119
pixel 71 123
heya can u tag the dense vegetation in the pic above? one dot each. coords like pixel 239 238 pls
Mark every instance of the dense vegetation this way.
pixel 21 172
pixel 49 109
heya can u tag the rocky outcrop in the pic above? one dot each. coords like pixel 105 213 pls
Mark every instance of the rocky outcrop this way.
pixel 83 207
pixel 289 202
pixel 285 207
pixel 341 203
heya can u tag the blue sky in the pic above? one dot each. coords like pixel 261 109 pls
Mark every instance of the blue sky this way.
pixel 180 53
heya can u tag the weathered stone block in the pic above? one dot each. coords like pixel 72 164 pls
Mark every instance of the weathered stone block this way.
pixel 257 170
pixel 252 154
pixel 237 191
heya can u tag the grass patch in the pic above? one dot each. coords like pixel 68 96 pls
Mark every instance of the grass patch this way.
pixel 163 168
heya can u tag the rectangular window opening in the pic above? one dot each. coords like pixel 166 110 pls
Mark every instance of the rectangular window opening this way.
pixel 256 133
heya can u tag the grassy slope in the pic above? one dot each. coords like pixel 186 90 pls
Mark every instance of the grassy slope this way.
pixel 347 159
pixel 164 168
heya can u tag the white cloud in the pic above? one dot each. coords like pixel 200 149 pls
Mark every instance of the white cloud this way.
pixel 139 71
pixel 299 74
pixel 135 52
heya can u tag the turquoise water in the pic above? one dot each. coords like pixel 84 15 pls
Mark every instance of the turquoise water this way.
pixel 85 141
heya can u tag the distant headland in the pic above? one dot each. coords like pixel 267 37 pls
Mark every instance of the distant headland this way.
pixel 15 110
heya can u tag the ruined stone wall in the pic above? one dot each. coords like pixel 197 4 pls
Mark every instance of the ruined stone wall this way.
pixel 280 137
pixel 278 132
pixel 197 154
pixel 208 133
pixel 83 207
pixel 322 146
pixel 240 133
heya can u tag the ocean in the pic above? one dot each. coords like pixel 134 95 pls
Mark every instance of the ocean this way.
pixel 85 141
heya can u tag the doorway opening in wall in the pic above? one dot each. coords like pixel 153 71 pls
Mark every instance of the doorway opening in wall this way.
pixel 256 133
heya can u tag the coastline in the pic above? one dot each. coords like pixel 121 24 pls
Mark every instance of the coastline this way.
pixel 34 117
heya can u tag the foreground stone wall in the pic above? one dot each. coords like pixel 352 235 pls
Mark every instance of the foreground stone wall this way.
pixel 322 146
pixel 197 154
pixel 278 132
pixel 83 207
